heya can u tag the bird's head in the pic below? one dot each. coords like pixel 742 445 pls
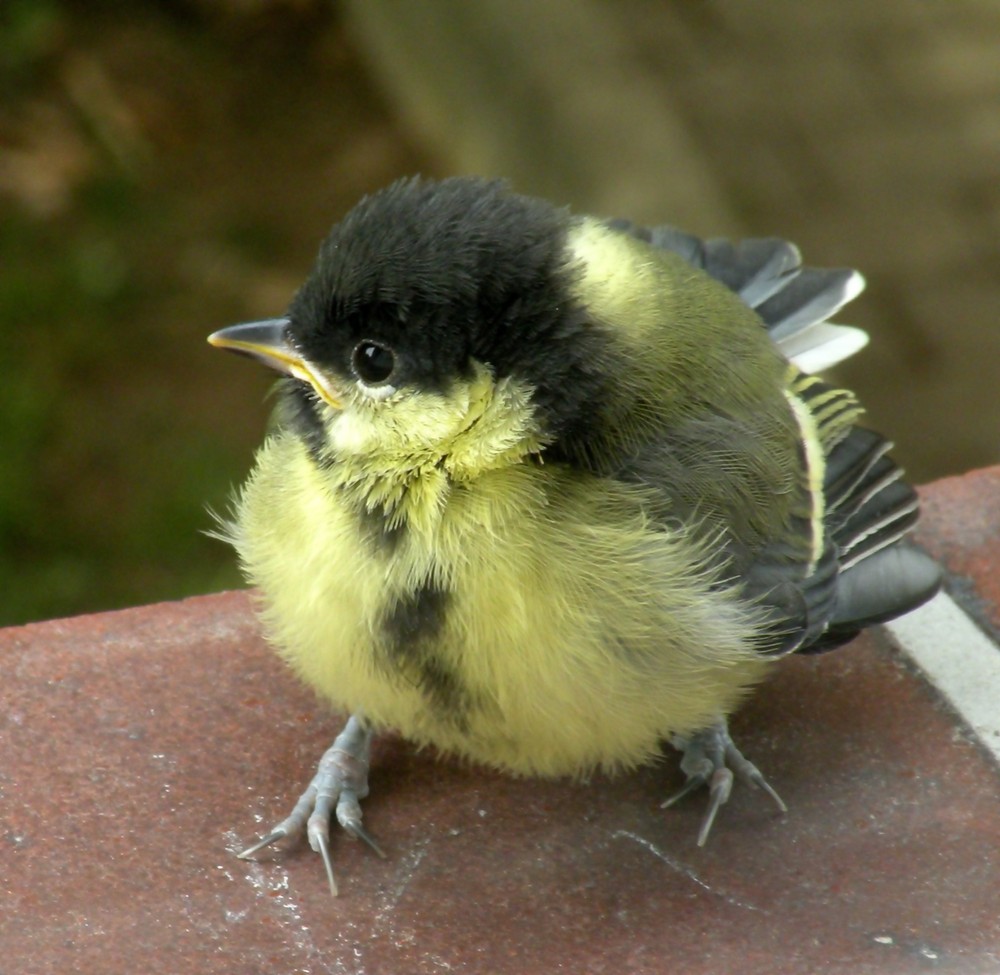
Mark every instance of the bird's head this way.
pixel 457 325
pixel 440 325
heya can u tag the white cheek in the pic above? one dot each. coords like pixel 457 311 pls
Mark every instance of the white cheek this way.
pixel 377 393
pixel 352 432
pixel 405 423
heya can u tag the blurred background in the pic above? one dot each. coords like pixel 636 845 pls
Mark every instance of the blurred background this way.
pixel 167 168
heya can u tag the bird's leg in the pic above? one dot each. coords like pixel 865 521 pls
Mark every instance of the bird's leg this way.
pixel 712 759
pixel 339 785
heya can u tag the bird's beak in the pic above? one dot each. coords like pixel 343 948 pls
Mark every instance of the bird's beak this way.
pixel 268 342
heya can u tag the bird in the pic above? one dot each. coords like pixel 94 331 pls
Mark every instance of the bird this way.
pixel 546 491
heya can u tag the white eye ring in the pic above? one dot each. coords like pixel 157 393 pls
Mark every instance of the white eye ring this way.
pixel 377 393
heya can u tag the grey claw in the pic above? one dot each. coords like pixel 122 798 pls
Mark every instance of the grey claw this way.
pixel 719 790
pixel 323 848
pixel 749 772
pixel 356 829
pixel 762 783
pixel 692 785
pixel 711 758
pixel 341 781
pixel 272 837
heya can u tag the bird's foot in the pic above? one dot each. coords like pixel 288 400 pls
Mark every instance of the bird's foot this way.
pixel 340 783
pixel 712 759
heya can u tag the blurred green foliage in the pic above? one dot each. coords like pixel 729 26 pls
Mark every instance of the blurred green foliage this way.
pixel 91 514
pixel 28 32
pixel 156 183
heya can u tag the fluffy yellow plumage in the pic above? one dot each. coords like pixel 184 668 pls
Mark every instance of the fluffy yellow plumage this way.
pixel 544 492
pixel 556 662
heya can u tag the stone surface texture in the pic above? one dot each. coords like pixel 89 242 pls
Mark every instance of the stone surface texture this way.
pixel 140 749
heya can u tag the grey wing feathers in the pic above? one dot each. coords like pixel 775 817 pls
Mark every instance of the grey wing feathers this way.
pixel 870 510
pixel 768 274
pixel 869 505
pixel 756 269
pixel 868 572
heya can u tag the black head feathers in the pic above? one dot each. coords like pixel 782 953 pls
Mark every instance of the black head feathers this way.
pixel 448 272
pixel 440 271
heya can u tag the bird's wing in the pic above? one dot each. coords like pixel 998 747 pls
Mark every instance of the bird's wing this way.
pixel 871 509
pixel 848 564
pixel 794 302
pixel 862 571
pixel 843 562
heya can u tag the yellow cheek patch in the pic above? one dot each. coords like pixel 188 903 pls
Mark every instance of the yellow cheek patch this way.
pixel 404 455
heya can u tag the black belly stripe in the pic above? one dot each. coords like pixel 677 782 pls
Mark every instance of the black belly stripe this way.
pixel 383 536
pixel 412 626
pixel 417 617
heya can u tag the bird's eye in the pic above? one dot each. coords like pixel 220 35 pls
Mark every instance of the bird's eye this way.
pixel 373 363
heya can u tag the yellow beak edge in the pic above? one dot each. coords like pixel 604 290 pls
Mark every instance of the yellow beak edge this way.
pixel 268 342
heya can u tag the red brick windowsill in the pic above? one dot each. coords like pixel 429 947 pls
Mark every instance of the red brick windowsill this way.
pixel 139 749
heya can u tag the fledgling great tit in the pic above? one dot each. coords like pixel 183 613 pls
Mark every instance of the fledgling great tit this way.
pixel 545 490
